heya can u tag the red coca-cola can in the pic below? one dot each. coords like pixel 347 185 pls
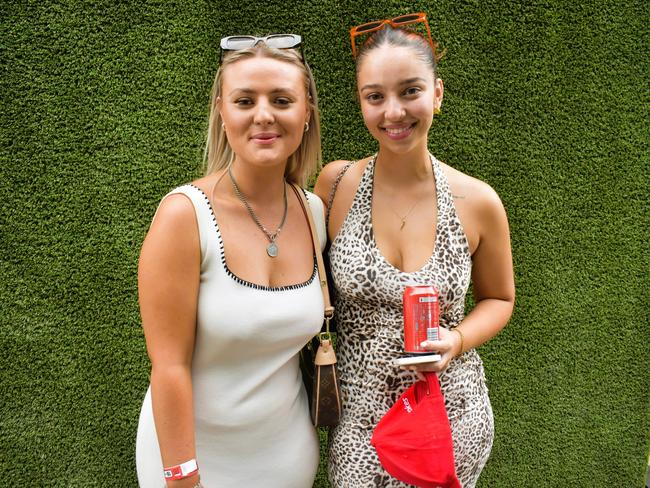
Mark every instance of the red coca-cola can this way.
pixel 421 318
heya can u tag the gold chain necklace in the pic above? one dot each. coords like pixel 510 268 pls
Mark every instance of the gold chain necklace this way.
pixel 400 217
pixel 403 219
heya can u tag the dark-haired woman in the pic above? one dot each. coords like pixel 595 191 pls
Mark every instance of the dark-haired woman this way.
pixel 228 288
pixel 401 218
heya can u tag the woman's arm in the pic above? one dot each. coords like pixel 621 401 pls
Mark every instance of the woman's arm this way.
pixel 492 274
pixel 492 277
pixel 168 283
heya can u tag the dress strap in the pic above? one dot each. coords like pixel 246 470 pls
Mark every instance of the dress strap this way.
pixel 330 200
pixel 446 208
pixel 448 220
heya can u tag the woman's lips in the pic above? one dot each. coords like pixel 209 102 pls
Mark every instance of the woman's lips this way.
pixel 265 138
pixel 398 132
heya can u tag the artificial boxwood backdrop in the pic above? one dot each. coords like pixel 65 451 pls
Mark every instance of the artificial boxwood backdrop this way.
pixel 104 108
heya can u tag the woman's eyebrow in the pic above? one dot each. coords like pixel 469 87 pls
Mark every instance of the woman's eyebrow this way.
pixel 250 91
pixel 374 86
pixel 412 80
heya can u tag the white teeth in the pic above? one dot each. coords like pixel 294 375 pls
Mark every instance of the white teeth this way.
pixel 397 131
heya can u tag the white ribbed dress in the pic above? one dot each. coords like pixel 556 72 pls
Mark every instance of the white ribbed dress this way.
pixel 250 408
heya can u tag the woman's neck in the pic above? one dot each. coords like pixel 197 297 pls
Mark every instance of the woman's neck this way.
pixel 403 169
pixel 262 185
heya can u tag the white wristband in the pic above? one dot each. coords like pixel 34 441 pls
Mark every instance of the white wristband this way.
pixel 180 471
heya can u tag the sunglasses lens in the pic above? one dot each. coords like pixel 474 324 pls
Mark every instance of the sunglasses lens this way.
pixel 282 41
pixel 405 19
pixel 368 27
pixel 236 43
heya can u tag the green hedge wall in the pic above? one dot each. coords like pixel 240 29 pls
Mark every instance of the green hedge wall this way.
pixel 104 108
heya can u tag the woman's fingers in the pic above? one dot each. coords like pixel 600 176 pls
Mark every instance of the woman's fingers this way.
pixel 449 342
pixel 436 367
pixel 446 347
pixel 432 345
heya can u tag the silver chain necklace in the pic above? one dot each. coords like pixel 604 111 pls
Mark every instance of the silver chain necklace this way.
pixel 272 248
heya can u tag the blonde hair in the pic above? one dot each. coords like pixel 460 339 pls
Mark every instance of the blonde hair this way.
pixel 306 160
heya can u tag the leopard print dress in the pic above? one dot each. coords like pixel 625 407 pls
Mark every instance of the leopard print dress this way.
pixel 370 336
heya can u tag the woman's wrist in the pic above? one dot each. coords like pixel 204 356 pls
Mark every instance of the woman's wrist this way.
pixel 461 341
pixel 190 482
pixel 184 475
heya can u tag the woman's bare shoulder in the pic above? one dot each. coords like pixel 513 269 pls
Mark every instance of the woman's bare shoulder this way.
pixel 330 173
pixel 471 191
pixel 327 177
pixel 175 219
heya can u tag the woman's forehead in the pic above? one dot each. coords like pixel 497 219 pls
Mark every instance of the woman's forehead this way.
pixel 254 66
pixel 262 70
pixel 394 61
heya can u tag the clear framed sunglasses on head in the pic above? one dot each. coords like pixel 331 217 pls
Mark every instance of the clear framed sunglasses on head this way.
pixel 275 41
pixel 396 22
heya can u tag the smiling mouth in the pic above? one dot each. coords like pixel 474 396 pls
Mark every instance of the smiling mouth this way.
pixel 399 132
pixel 265 138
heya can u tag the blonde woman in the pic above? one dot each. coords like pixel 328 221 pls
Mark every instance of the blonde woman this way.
pixel 228 287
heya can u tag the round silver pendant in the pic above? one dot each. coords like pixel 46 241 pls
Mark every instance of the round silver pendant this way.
pixel 272 250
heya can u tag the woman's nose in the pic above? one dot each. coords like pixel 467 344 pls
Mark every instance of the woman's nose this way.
pixel 263 113
pixel 394 109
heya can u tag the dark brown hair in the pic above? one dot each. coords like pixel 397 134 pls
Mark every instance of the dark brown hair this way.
pixel 389 36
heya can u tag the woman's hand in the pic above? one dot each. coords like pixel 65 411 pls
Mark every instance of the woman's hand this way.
pixel 448 346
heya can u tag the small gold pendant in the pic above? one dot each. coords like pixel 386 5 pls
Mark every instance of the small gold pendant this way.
pixel 403 224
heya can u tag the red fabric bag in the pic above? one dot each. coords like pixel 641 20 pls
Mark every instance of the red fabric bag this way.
pixel 413 439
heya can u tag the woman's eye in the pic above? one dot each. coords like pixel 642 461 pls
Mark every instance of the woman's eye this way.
pixel 374 97
pixel 413 90
pixel 282 101
pixel 243 102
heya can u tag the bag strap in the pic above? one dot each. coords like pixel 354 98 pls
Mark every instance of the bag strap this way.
pixel 328 309
pixel 335 186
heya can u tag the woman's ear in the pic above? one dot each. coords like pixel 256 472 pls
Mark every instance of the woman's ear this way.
pixel 439 91
pixel 218 104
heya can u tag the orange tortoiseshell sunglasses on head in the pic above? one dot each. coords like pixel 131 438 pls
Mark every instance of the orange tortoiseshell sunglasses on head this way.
pixel 397 22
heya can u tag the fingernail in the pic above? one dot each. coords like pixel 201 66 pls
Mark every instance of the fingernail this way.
pixel 423 343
